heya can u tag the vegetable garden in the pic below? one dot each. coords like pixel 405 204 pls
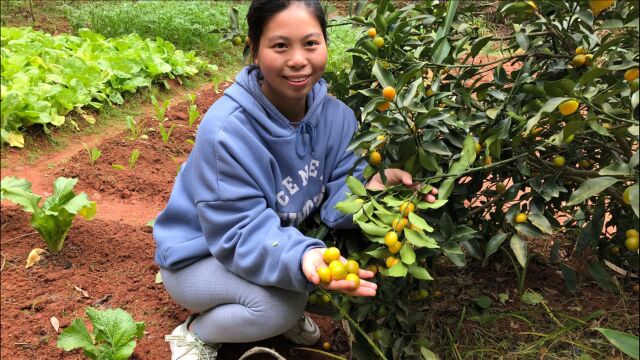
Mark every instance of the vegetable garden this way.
pixel 519 119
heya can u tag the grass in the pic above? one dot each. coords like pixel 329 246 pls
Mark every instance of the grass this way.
pixel 559 328
pixel 341 38
pixel 186 24
pixel 41 14
pixel 189 25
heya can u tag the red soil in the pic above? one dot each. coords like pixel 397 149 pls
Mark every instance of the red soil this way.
pixel 111 257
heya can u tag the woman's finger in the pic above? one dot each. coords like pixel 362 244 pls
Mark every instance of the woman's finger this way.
pixel 365 274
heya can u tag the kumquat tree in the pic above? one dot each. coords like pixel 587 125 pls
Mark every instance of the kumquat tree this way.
pixel 529 152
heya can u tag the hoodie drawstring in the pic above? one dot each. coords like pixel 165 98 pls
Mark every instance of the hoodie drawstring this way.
pixel 304 128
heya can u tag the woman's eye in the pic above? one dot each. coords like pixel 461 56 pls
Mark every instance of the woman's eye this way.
pixel 280 46
pixel 312 43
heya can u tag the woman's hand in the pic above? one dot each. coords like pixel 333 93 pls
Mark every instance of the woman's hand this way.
pixel 312 260
pixel 397 177
pixel 394 177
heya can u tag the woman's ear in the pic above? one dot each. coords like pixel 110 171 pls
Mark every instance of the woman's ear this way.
pixel 255 60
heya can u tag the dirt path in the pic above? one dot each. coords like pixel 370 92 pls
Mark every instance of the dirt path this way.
pixel 73 161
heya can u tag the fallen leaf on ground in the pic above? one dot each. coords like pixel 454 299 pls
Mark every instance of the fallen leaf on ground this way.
pixel 80 290
pixel 34 257
pixel 55 323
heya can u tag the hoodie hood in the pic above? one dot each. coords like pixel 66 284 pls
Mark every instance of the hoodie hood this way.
pixel 248 94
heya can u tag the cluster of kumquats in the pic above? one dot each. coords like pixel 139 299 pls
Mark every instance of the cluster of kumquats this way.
pixel 393 239
pixel 335 269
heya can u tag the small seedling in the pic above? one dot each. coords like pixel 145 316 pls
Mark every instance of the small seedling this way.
pixel 133 158
pixel 94 153
pixel 193 110
pixel 114 334
pixel 136 128
pixel 160 113
pixel 161 110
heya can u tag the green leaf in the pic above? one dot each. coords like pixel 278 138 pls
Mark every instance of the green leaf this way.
pixel 379 253
pixel 76 203
pixel 373 229
pixel 428 354
pixel 627 343
pixel 467 157
pixel 418 221
pixel 419 272
pixel 441 50
pixel 548 107
pixel 590 188
pixel 523 41
pixel 411 92
pixel 569 276
pixel 398 270
pixel 478 45
pixel 360 138
pixel 116 327
pixel 483 301
pixel 592 74
pixel 348 206
pixel 503 297
pixel 541 222
pixel 18 191
pixel 492 246
pixel 519 248
pixel 528 230
pixel 453 251
pixel 434 205
pixel 76 336
pixel 616 168
pixel 462 232
pixel 356 186
pixel 407 255
pixel 601 276
pixel 369 47
pixel 562 87
pixel 531 297
pixel 383 75
pixel 443 31
pixel 419 239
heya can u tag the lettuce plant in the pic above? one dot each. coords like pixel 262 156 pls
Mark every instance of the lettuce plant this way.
pixel 113 338
pixel 53 219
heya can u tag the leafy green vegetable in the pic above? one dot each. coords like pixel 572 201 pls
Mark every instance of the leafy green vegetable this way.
pixel 53 220
pixel 114 335
pixel 44 77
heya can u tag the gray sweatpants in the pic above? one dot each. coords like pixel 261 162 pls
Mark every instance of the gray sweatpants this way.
pixel 232 309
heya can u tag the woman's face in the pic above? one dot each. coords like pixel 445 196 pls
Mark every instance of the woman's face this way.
pixel 292 55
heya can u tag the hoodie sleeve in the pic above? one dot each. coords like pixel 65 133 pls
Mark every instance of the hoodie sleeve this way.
pixel 239 227
pixel 336 185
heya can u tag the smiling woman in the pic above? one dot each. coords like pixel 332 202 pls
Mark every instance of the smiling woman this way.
pixel 292 54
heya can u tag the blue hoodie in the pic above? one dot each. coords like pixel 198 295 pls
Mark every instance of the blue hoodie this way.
pixel 251 177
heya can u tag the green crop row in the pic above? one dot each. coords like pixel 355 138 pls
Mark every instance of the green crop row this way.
pixel 44 77
pixel 189 25
pixel 186 24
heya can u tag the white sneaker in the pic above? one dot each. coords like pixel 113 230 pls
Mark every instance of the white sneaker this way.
pixel 186 346
pixel 305 332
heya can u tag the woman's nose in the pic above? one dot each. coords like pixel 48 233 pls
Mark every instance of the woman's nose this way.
pixel 297 60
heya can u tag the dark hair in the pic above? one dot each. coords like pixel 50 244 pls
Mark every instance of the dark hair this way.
pixel 261 11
